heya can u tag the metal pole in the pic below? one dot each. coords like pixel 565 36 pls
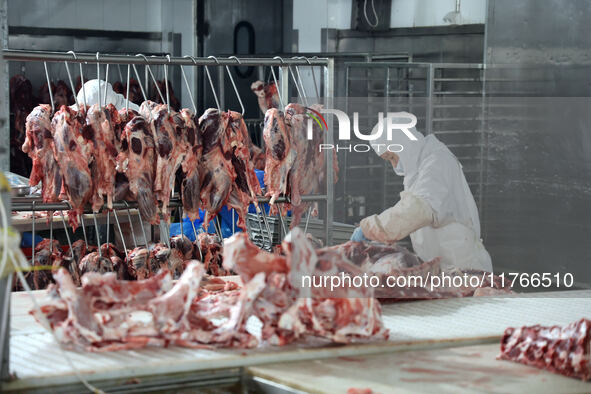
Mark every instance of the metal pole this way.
pixel 26 55
pixel 329 94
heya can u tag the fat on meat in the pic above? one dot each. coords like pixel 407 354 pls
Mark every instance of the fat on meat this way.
pixel 39 146
pixel 565 350
pixel 72 149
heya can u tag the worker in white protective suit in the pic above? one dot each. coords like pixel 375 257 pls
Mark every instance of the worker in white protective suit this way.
pixel 91 91
pixel 436 207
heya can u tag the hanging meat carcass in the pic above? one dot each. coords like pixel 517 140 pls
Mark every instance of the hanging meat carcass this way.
pixel 136 160
pixel 72 149
pixel 280 155
pixel 100 124
pixel 246 185
pixel 191 186
pixel 39 145
pixel 171 148
pixel 267 95
pixel 217 175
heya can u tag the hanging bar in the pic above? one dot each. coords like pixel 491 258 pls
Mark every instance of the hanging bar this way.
pixel 20 55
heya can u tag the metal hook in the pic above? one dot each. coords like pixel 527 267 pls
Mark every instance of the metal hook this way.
pixel 106 83
pixel 119 70
pixel 130 224
pixel 188 88
pixel 152 75
pixel 72 84
pixel 49 87
pixel 166 84
pixel 98 79
pixel 313 77
pixel 301 82
pixel 81 80
pixel 120 232
pixel 234 84
pixel 127 95
pixel 139 82
pixel 98 237
pixel 215 96
pixel 300 95
pixel 67 233
pixel 277 86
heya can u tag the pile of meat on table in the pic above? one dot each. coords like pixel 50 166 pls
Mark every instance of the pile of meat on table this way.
pixel 137 264
pixel 98 155
pixel 106 313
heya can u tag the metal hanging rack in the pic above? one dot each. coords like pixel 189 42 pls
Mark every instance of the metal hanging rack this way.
pixel 284 74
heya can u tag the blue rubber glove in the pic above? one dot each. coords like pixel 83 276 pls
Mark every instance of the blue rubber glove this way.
pixel 358 236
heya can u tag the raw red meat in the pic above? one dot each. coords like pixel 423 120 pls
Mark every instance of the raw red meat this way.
pixel 137 160
pixel 191 186
pixel 281 155
pixel 137 262
pixel 289 311
pixel 246 186
pixel 109 314
pixel 171 148
pixel 217 174
pixel 39 145
pixel 119 88
pixel 47 254
pixel 208 249
pixel 267 95
pixel 560 349
pixel 100 124
pixel 92 262
pixel 73 152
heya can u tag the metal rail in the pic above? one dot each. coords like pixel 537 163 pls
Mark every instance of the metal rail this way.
pixel 21 55
pixel 37 205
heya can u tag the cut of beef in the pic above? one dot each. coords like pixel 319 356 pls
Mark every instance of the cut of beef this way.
pixel 217 174
pixel 267 95
pixel 47 254
pixel 191 186
pixel 290 311
pixel 208 249
pixel 560 349
pixel 170 147
pixel 100 124
pixel 92 262
pixel 72 149
pixel 39 145
pixel 137 160
pixel 246 185
pixel 280 155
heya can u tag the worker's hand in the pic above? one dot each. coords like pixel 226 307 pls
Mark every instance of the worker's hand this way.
pixel 358 236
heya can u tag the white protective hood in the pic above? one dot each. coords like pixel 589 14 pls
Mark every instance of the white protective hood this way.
pixel 432 173
pixel 91 90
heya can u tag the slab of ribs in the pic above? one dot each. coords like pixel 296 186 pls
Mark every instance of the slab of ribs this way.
pixel 560 349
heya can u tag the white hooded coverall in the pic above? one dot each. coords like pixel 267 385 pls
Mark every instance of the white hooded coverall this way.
pixel 436 207
pixel 91 91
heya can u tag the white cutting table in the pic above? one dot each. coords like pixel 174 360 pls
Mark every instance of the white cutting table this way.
pixel 37 362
